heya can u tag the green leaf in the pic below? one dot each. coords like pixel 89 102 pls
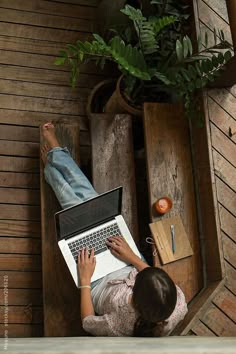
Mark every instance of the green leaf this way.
pixel 206 39
pixel 228 55
pixel 72 48
pixel 185 47
pixel 179 50
pixel 59 61
pixel 190 46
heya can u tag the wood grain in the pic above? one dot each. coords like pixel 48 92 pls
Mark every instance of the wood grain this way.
pixel 228 223
pixel 20 245
pixel 19 196
pixel 20 262
pixel 23 314
pixel 224 170
pixel 200 329
pixel 22 297
pixel 169 171
pixel 229 249
pixel 23 330
pixel 19 180
pixel 222 119
pixel 215 319
pixel 223 145
pixel 51 8
pixel 60 294
pixel 230 280
pixel 226 196
pixel 226 301
pixel 112 146
pixel 22 280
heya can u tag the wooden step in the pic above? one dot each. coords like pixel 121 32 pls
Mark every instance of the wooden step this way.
pixel 61 298
pixel 113 161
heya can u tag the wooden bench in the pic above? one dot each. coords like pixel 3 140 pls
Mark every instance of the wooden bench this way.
pixel 169 172
pixel 113 161
pixel 60 294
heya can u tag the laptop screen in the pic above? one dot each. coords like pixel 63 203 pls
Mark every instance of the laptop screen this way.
pixel 92 212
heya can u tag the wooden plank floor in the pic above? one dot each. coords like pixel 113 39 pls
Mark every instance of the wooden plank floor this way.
pixel 32 91
pixel 219 318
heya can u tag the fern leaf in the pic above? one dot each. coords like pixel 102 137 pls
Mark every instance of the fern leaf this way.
pixel 129 58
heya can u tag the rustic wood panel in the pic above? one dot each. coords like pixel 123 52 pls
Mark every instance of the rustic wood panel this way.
pixel 19 149
pixel 20 245
pixel 23 330
pixel 224 170
pixel 19 164
pixel 212 20
pixel 22 88
pixel 46 76
pixel 34 32
pixel 200 329
pixel 50 21
pixel 222 119
pixel 51 8
pixel 112 146
pixel 22 280
pixel 19 196
pixel 215 319
pixel 169 170
pixel 43 105
pixel 226 196
pixel 22 297
pixel 229 250
pixel 225 99
pixel 34 119
pixel 33 91
pixel 17 133
pixel 23 314
pixel 230 280
pixel 226 301
pixel 219 7
pixel 19 180
pixel 20 262
pixel 228 223
pixel 223 145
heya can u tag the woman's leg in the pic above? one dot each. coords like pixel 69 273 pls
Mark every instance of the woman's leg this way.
pixel 63 191
pixel 60 159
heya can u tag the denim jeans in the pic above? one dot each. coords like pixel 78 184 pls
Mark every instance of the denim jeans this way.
pixel 68 182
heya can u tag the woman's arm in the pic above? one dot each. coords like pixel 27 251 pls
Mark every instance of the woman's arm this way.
pixel 86 266
pixel 120 249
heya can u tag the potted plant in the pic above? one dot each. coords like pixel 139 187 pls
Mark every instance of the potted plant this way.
pixel 155 57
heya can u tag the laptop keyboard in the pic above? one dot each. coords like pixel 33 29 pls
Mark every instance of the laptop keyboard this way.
pixel 96 240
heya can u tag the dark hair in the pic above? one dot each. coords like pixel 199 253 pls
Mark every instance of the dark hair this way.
pixel 154 299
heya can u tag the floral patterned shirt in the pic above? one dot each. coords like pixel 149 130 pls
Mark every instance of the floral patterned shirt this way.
pixel 119 316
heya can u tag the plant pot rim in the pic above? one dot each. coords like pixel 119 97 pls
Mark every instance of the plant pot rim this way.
pixel 124 103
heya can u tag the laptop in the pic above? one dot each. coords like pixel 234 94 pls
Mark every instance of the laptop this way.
pixel 89 224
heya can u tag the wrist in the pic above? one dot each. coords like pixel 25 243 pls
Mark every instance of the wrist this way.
pixel 85 281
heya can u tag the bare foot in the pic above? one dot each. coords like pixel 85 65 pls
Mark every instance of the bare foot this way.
pixel 50 136
pixel 44 151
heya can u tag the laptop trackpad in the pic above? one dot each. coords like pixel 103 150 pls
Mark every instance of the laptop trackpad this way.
pixel 104 262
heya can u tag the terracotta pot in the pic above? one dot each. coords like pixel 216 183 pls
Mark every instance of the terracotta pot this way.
pixel 117 103
pixel 99 95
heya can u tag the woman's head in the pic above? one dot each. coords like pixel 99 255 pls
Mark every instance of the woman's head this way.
pixel 154 299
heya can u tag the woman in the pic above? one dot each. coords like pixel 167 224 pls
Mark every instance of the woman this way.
pixel 137 300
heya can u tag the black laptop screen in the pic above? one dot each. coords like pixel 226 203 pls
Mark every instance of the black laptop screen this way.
pixel 92 212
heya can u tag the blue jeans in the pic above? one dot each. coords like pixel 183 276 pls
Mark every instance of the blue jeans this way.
pixel 68 182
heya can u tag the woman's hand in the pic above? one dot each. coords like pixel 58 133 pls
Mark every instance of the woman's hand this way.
pixel 120 249
pixel 86 265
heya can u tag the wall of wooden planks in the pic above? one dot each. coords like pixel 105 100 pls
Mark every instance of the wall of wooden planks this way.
pixel 33 90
